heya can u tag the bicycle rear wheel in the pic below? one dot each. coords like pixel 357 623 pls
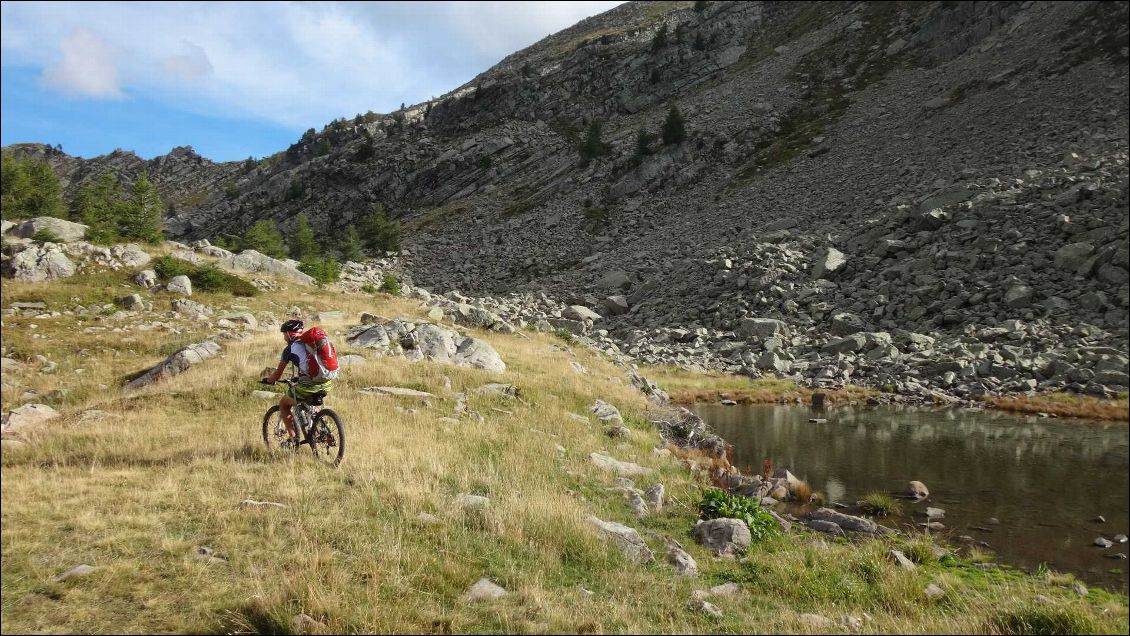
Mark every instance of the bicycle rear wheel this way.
pixel 274 429
pixel 328 443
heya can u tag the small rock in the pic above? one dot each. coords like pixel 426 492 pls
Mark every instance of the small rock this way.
pixel 471 502
pixel 900 558
pixel 934 592
pixel 484 590
pixel 78 570
pixel 725 589
pixel 248 504
pixel 266 395
pixel 683 562
pixel 935 513
pixel 1079 588
pixel 1120 538
pixel 816 621
pixel 703 606
pixel 206 554
pixel 1099 519
pixel 427 518
pixel 917 490
pixel 305 624
pixel 1103 542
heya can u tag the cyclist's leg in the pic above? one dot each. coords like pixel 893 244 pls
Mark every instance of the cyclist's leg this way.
pixel 285 406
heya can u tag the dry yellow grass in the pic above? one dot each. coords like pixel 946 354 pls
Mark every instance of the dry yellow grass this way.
pixel 135 493
pixel 1065 405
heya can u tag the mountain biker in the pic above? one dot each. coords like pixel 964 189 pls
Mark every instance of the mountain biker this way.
pixel 297 354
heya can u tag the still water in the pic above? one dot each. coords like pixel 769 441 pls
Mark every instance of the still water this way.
pixel 1044 480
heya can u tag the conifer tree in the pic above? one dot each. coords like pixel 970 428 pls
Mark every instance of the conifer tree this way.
pixel 140 218
pixel 351 245
pixel 264 237
pixel 674 128
pixel 380 233
pixel 99 205
pixel 302 245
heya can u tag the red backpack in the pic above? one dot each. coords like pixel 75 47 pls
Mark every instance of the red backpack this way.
pixel 323 358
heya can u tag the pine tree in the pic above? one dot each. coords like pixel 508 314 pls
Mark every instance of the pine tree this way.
pixel 99 205
pixel 659 40
pixel 264 237
pixel 643 142
pixel 379 233
pixel 140 218
pixel 30 188
pixel 302 245
pixel 592 147
pixel 674 128
pixel 351 245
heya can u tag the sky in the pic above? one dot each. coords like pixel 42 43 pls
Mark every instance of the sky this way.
pixel 241 79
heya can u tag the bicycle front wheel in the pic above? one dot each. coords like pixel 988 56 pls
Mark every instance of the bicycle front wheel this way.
pixel 274 429
pixel 328 443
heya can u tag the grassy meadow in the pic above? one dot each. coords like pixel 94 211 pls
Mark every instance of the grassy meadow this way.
pixel 134 492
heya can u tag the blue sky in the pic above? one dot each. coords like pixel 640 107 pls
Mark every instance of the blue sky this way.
pixel 234 79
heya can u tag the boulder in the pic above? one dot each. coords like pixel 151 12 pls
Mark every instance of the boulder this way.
pixel 146 278
pixel 614 280
pixel 250 261
pixel 64 231
pixel 176 364
pixel 36 263
pixel 580 313
pixel 848 522
pixel 179 285
pixel 725 537
pixel 616 305
pixel 683 562
pixel 18 422
pixel 617 466
pixel 605 412
pixel 916 490
pixel 626 539
pixel 426 341
pixel 762 328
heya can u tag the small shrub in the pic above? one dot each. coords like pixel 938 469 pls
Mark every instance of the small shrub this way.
pixel 169 266
pixel 565 335
pixel 390 285
pixel 801 491
pixel 720 504
pixel 46 236
pixel 1044 619
pixel 881 505
pixel 368 288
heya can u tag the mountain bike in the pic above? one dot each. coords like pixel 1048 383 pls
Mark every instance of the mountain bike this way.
pixel 319 427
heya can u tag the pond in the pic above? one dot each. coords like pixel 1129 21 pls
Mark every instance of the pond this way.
pixel 1031 488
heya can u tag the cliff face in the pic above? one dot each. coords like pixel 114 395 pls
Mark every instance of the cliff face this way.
pixel 956 154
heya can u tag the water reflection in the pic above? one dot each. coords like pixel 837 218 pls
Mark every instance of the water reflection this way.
pixel 1044 479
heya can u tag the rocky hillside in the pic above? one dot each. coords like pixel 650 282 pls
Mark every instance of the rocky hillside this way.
pixel 953 171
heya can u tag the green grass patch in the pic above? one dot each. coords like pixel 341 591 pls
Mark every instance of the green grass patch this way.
pixel 206 278
pixel 882 505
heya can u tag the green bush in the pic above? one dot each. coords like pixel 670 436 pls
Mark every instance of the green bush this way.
pixel 169 266
pixel 719 504
pixel 881 505
pixel 204 278
pixel 368 288
pixel 324 270
pixel 390 284
pixel 565 335
pixel 46 236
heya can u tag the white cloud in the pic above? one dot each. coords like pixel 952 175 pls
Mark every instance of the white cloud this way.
pixel 189 66
pixel 86 68
pixel 292 63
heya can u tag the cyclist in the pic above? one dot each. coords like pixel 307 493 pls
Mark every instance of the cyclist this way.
pixel 308 384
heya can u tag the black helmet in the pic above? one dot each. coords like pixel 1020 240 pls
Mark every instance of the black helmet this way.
pixel 291 326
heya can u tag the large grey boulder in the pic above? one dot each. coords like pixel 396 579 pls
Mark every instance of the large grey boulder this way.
pixel 18 422
pixel 626 539
pixel 426 341
pixel 762 328
pixel 580 313
pixel 36 263
pixel 179 285
pixel 65 231
pixel 725 537
pixel 1071 258
pixel 252 262
pixel 177 363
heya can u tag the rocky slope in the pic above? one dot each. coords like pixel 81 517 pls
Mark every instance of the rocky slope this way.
pixel 952 171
